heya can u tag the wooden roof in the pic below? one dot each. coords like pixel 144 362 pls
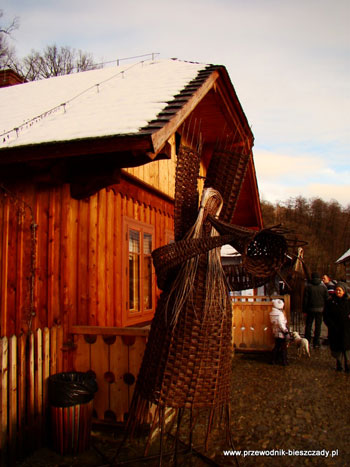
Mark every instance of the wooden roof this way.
pixel 207 97
pixel 149 139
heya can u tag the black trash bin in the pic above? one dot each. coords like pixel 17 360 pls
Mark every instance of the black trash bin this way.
pixel 71 400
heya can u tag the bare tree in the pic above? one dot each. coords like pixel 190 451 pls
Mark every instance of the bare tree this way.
pixel 7 52
pixel 54 61
pixel 324 225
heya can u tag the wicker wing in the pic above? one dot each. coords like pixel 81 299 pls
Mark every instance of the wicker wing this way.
pixel 238 278
pixel 263 252
pixel 226 173
pixel 168 258
pixel 186 190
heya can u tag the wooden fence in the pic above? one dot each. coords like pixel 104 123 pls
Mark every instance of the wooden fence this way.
pixel 26 362
pixel 113 354
pixel 251 322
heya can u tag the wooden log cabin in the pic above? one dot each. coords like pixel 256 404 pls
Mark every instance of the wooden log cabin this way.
pixel 87 175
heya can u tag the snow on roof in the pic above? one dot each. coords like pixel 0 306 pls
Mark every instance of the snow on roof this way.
pixel 344 256
pixel 105 102
pixel 229 251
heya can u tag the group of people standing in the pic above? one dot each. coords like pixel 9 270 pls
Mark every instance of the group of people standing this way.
pixel 324 300
pixel 328 300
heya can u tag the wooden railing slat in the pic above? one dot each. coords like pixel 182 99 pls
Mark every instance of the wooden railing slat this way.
pixel 26 363
pixel 46 366
pixel 99 364
pixel 31 386
pixel 39 381
pixel 21 387
pixel 12 393
pixel 119 366
pixel 3 396
pixel 110 331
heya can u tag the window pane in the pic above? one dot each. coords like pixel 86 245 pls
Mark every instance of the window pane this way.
pixel 134 270
pixel 147 244
pixel 147 271
pixel 134 241
pixel 147 284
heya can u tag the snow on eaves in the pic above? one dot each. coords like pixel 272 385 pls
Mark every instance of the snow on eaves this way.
pixel 228 251
pixel 345 256
pixel 106 102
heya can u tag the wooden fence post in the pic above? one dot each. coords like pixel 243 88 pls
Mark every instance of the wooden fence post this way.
pixel 12 396
pixel 3 399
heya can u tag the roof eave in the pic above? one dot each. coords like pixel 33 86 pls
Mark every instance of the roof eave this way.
pixel 134 143
pixel 220 81
pixel 160 136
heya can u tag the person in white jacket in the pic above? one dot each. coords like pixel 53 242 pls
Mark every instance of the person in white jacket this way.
pixel 279 331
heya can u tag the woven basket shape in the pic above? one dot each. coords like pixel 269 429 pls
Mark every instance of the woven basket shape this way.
pixel 226 173
pixel 190 365
pixel 186 191
pixel 263 253
pixel 238 278
pixel 167 258
pixel 187 361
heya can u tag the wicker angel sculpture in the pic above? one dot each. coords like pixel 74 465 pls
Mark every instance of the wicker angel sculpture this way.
pixel 188 357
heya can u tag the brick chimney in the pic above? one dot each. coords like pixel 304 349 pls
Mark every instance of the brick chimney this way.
pixel 10 78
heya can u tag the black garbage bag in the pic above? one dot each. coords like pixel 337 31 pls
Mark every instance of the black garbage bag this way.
pixel 66 389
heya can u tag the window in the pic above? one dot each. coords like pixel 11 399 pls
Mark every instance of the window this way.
pixel 140 290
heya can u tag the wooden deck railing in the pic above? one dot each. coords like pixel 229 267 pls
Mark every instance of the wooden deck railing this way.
pixel 27 361
pixel 251 321
pixel 114 355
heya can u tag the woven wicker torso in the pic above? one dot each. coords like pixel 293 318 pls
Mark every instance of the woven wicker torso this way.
pixel 189 364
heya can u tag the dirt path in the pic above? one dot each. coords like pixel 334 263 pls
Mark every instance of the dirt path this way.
pixel 303 407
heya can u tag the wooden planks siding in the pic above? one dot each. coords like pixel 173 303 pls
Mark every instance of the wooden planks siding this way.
pixel 77 275
pixel 158 174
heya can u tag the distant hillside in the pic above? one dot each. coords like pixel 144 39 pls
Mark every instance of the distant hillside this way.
pixel 324 225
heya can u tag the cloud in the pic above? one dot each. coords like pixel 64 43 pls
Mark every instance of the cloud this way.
pixel 279 193
pixel 282 176
pixel 273 166
pixel 288 62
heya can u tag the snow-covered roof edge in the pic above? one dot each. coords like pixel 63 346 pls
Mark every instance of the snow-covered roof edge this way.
pixel 96 103
pixel 344 257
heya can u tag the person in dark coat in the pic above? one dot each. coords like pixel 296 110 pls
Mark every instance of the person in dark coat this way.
pixel 337 319
pixel 315 297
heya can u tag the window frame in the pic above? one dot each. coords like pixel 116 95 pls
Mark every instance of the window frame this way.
pixel 131 317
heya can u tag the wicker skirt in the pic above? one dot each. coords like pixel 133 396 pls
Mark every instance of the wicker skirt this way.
pixel 189 364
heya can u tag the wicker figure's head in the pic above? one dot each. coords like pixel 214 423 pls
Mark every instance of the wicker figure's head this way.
pixel 211 204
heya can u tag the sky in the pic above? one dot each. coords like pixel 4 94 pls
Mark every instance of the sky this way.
pixel 289 62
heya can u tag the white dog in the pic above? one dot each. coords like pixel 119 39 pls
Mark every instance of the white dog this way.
pixel 302 344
